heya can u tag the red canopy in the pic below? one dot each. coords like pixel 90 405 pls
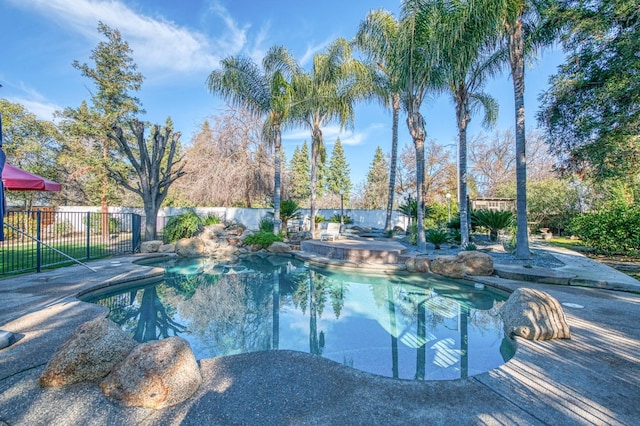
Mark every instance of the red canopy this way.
pixel 19 180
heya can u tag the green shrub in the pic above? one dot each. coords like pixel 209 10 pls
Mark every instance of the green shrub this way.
pixel 455 235
pixel 63 228
pixel 336 219
pixel 494 221
pixel 413 234
pixel 437 237
pixel 95 224
pixel 470 247
pixel 262 238
pixel 614 229
pixel 320 219
pixel 211 219
pixel 185 225
pixel 289 209
pixel 266 224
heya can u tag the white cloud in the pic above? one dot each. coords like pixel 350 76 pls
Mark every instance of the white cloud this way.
pixel 42 110
pixel 307 57
pixel 330 134
pixel 160 46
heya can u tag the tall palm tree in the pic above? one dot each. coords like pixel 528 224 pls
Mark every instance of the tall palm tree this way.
pixel 470 59
pixel 376 36
pixel 521 19
pixel 324 95
pixel 266 92
pixel 413 60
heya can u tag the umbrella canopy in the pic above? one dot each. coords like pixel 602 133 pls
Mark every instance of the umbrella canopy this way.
pixel 16 179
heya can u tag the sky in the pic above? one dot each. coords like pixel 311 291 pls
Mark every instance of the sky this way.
pixel 176 44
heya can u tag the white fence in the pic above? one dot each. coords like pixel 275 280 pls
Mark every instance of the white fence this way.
pixel 251 217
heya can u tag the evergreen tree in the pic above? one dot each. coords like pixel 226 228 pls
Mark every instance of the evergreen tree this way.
pixel 300 174
pixel 377 186
pixel 338 172
pixel 116 79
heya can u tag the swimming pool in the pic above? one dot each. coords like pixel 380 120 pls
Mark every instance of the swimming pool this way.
pixel 406 326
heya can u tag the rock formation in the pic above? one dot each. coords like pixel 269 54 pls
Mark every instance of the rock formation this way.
pixel 156 375
pixel 534 315
pixel 89 353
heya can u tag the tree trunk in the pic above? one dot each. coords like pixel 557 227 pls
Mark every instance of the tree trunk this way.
pixel 277 165
pixel 516 59
pixel 151 218
pixel 104 203
pixel 415 122
pixel 463 118
pixel 316 141
pixel 394 160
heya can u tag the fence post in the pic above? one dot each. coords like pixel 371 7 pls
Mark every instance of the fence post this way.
pixel 38 239
pixel 136 224
pixel 88 230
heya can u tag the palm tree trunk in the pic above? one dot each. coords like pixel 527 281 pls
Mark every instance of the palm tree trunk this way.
pixel 463 118
pixel 394 160
pixel 316 141
pixel 277 165
pixel 415 122
pixel 516 59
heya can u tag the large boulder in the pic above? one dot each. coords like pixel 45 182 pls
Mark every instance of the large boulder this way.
pixel 191 247
pixel 534 315
pixel 417 264
pixel 279 247
pixel 167 248
pixel 448 266
pixel 156 375
pixel 89 353
pixel 213 231
pixel 150 246
pixel 476 263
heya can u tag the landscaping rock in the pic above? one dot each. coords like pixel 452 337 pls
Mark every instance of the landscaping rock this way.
pixel 448 266
pixel 279 247
pixel 417 264
pixel 89 353
pixel 150 246
pixel 167 248
pixel 191 247
pixel 236 230
pixel 476 263
pixel 534 315
pixel 156 375
pixel 213 231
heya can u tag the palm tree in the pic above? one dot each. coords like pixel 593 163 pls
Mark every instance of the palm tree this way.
pixel 266 92
pixel 413 61
pixel 521 36
pixel 377 34
pixel 470 59
pixel 324 95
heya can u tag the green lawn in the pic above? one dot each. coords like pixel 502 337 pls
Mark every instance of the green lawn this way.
pixel 16 258
pixel 570 244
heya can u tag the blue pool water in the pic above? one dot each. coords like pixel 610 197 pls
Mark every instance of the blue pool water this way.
pixel 404 326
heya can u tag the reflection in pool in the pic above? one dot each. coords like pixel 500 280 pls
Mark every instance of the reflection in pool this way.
pixel 403 326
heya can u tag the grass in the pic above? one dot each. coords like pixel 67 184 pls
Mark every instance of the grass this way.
pixel 571 244
pixel 22 258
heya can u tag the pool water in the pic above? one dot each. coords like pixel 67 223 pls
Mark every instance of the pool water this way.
pixel 405 326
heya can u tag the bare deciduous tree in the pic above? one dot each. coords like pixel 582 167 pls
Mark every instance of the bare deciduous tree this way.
pixel 493 160
pixel 228 163
pixel 153 161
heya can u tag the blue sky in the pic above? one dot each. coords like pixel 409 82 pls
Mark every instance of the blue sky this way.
pixel 176 44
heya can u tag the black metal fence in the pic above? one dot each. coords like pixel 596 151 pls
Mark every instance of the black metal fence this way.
pixel 35 240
